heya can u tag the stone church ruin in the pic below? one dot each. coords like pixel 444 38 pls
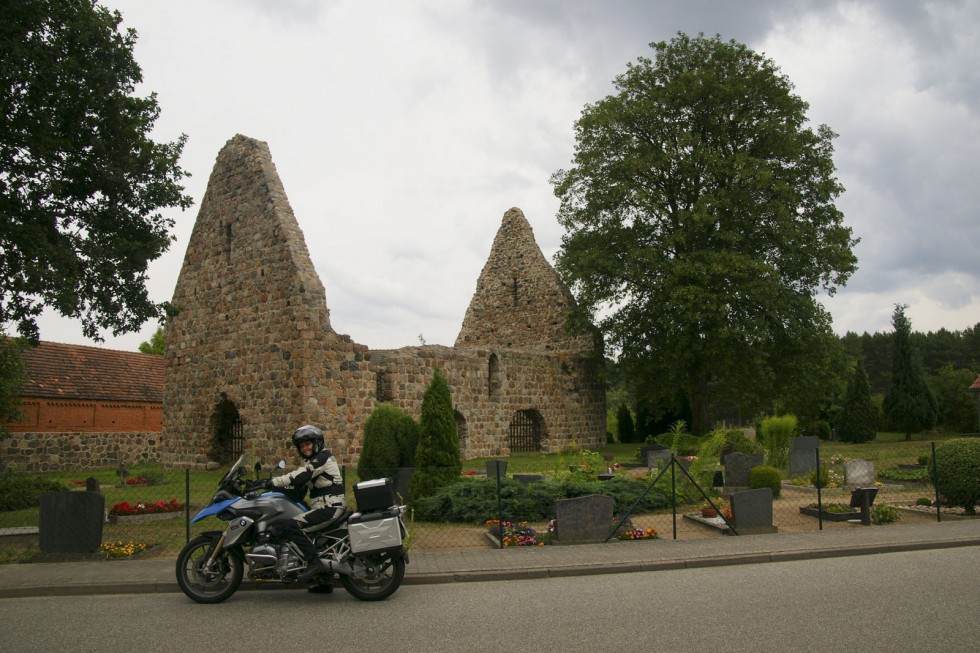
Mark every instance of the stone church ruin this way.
pixel 252 327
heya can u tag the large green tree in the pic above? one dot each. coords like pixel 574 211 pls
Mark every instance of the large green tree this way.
pixel 700 220
pixel 910 405
pixel 81 182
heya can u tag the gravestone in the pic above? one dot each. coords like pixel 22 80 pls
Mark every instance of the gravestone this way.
pixel 752 511
pixel 737 467
pixel 583 520
pixel 527 479
pixel 71 522
pixel 803 454
pixel 652 454
pixel 496 467
pixel 657 459
pixel 859 472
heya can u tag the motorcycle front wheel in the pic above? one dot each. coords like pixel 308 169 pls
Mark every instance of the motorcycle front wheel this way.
pixel 209 583
pixel 383 577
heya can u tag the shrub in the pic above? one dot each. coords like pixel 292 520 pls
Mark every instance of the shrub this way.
pixel 20 492
pixel 882 513
pixel 958 470
pixel 766 476
pixel 775 434
pixel 381 453
pixel 475 500
pixel 923 501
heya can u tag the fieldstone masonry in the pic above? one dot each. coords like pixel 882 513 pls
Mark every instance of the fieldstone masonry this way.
pixel 253 323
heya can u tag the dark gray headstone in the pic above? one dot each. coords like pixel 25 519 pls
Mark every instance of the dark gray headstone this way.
pixel 737 467
pixel 495 467
pixel 527 479
pixel 583 519
pixel 803 454
pixel 92 484
pixel 752 511
pixel 656 458
pixel 71 522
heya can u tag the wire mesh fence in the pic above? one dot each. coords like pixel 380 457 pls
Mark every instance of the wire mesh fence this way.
pixel 148 510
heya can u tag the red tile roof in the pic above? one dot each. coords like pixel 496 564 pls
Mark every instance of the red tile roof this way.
pixel 62 371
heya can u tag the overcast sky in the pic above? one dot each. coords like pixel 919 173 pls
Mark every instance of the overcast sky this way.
pixel 402 131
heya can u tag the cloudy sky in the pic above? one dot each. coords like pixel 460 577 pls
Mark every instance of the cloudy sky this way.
pixel 402 131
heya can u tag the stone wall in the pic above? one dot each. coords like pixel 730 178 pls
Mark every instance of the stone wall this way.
pixel 50 452
pixel 253 324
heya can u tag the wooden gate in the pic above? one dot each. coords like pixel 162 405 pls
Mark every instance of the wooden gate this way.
pixel 525 431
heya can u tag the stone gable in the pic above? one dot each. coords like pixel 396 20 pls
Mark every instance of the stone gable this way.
pixel 253 325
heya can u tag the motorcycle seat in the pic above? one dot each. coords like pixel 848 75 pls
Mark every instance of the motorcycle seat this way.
pixel 338 518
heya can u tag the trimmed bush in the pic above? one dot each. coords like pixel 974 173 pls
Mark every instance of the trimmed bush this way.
pixel 475 500
pixel 389 434
pixel 766 476
pixel 22 492
pixel 958 471
pixel 923 501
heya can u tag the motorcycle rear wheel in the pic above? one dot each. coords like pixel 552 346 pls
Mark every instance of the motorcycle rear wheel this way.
pixel 381 584
pixel 211 584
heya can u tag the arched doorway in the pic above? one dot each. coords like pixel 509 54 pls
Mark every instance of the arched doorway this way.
pixel 526 431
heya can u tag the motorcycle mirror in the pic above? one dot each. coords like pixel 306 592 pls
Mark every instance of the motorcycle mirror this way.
pixel 281 464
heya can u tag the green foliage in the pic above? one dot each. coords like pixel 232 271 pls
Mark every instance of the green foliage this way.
pixel 766 476
pixel 381 453
pixel 19 492
pixel 923 501
pixel 958 472
pixel 882 513
pixel 775 434
pixel 912 475
pixel 83 184
pixel 910 405
pixel 474 501
pixel 956 406
pixel 858 419
pixel 12 371
pixel 155 345
pixel 624 422
pixel 714 444
pixel 437 457
pixel 701 223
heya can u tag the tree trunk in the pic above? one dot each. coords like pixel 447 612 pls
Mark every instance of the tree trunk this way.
pixel 700 405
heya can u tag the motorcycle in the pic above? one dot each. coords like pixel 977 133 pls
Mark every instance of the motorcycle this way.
pixel 364 548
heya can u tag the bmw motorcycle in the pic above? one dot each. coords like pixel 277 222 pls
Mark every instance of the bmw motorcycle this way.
pixel 364 548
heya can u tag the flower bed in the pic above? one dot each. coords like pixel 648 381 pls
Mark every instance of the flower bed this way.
pixel 124 508
pixel 832 512
pixel 513 534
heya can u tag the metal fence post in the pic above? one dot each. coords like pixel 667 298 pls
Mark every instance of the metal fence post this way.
pixel 935 485
pixel 819 484
pixel 673 493
pixel 187 505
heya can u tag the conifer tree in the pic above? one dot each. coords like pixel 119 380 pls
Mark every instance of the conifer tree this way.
pixel 437 458
pixel 624 424
pixel 858 419
pixel 910 405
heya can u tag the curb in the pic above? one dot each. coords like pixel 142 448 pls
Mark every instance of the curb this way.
pixel 532 573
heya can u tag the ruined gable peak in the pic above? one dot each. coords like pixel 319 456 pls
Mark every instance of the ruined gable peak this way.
pixel 520 302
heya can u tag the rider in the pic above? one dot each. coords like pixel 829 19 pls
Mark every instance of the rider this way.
pixel 320 474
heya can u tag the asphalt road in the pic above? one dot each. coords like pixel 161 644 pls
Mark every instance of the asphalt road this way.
pixel 912 601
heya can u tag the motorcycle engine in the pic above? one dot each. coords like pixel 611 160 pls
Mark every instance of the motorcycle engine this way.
pixel 262 558
pixel 288 560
